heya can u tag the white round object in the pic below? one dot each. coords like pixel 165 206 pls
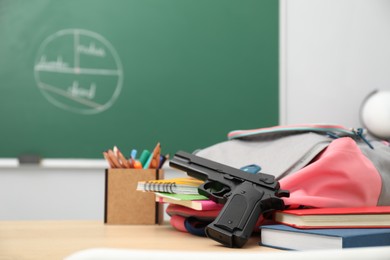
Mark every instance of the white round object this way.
pixel 375 114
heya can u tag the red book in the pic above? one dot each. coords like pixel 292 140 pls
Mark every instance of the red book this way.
pixel 361 217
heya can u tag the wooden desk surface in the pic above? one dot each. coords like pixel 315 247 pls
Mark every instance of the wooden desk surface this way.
pixel 58 239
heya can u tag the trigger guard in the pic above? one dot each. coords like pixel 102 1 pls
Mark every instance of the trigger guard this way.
pixel 218 196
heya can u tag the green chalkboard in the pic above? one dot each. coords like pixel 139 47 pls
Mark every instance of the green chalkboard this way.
pixel 80 76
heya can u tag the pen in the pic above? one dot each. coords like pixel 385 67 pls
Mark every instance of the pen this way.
pixel 132 159
pixel 154 158
pixel 123 161
pixel 163 159
pixel 113 159
pixel 144 157
pixel 133 154
pixel 137 164
pixel 105 154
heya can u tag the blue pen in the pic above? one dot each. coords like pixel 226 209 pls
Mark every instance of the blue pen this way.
pixel 162 161
pixel 133 154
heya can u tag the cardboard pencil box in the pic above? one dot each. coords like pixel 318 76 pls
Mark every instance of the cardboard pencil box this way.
pixel 124 205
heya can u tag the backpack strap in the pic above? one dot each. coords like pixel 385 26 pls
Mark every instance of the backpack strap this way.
pixel 331 130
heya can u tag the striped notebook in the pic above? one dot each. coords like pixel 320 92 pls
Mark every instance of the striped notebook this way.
pixel 176 185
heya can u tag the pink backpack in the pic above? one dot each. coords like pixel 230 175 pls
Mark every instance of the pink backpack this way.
pixel 321 165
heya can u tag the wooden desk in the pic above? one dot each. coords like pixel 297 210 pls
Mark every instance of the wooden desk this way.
pixel 57 239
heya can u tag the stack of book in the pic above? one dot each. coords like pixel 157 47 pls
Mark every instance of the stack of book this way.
pixel 179 191
pixel 328 228
pixel 188 210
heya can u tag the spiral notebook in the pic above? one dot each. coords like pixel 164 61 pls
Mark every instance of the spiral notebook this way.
pixel 176 185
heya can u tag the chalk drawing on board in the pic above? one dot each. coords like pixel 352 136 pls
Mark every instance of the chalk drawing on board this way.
pixel 79 71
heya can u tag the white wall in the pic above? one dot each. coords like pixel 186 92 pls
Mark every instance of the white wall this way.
pixel 333 53
pixel 56 192
pixel 38 193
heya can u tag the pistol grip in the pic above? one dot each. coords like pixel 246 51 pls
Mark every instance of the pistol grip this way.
pixel 235 223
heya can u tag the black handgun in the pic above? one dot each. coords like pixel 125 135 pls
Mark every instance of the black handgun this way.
pixel 245 196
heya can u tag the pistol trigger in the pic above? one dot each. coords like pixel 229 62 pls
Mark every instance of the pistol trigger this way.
pixel 283 193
